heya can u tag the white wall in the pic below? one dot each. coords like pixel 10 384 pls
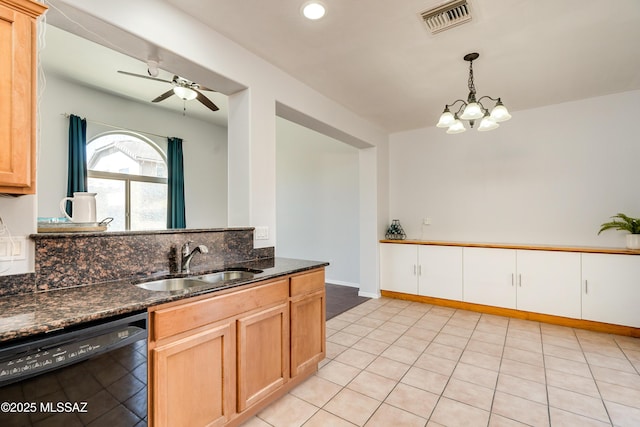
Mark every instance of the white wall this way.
pixel 204 146
pixel 191 48
pixel 317 201
pixel 550 175
pixel 188 47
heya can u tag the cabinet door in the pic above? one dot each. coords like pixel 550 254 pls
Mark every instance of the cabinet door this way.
pixel 549 282
pixel 489 276
pixel 440 272
pixel 17 96
pixel 399 268
pixel 307 332
pixel 611 288
pixel 263 354
pixel 191 379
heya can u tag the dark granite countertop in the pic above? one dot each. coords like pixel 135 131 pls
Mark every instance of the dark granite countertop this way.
pixel 31 314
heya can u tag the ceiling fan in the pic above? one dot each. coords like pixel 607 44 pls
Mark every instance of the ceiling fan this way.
pixel 183 88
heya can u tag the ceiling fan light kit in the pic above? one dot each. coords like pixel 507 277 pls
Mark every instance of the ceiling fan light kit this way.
pixel 182 88
pixel 472 109
pixel 185 93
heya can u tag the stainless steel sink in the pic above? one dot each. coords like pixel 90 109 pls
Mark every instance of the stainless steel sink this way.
pixel 204 280
pixel 227 276
pixel 176 284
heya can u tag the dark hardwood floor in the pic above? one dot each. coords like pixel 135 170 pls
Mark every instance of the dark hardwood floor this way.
pixel 341 299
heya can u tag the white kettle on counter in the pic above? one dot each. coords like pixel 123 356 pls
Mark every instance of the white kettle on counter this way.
pixel 83 207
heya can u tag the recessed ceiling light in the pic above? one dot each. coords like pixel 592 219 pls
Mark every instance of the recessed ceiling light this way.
pixel 313 10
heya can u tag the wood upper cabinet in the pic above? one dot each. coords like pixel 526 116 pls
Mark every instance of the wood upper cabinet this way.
pixel 308 314
pixel 18 54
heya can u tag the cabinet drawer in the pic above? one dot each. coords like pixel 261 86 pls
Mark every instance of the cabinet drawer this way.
pixel 173 320
pixel 307 283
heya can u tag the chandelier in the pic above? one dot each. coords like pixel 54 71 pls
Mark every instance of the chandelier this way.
pixel 472 109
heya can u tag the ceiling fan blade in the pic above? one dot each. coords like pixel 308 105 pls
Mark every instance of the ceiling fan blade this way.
pixel 206 102
pixel 144 77
pixel 200 87
pixel 163 96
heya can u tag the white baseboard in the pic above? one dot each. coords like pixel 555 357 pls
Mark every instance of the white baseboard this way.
pixel 342 283
pixel 375 295
pixel 354 285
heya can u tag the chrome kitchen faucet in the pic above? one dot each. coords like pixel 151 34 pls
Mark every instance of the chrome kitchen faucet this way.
pixel 187 255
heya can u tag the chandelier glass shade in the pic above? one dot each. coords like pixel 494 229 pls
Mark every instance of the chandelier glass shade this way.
pixel 473 109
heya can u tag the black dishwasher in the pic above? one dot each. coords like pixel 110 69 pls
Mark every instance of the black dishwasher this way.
pixel 93 374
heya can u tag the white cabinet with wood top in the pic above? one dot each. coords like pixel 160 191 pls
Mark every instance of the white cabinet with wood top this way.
pixel 562 285
pixel 611 288
pixel 537 281
pixel 549 282
pixel 489 276
pixel 434 271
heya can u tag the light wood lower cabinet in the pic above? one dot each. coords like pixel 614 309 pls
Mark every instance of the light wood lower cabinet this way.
pixel 308 314
pixel 263 354
pixel 214 360
pixel 194 373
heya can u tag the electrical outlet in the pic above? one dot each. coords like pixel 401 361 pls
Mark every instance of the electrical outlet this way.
pixel 426 221
pixel 262 233
pixel 14 251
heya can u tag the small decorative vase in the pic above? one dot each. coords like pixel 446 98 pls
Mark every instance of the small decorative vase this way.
pixel 395 231
pixel 633 241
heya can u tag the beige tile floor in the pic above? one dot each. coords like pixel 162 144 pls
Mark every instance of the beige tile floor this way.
pixel 398 363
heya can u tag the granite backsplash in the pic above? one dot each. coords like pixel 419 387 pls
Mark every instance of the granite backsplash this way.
pixel 72 259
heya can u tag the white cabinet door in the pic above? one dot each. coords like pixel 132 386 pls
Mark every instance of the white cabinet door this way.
pixel 489 276
pixel 440 272
pixel 549 282
pixel 398 268
pixel 611 288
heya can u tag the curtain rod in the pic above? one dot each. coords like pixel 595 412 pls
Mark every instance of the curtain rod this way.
pixel 118 127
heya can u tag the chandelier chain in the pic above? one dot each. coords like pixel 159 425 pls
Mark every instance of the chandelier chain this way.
pixel 472 87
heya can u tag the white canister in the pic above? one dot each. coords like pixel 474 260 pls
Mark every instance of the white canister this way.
pixel 83 207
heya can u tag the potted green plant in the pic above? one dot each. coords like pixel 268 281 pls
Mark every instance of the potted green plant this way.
pixel 625 223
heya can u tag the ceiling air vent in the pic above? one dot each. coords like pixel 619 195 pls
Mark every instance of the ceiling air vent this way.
pixel 446 16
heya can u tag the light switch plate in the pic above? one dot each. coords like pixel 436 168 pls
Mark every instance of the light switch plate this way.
pixel 262 233
pixel 15 250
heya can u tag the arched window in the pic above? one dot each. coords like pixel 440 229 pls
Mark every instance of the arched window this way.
pixel 129 173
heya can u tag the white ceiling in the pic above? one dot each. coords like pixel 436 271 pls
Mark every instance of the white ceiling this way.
pixel 98 67
pixel 377 58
